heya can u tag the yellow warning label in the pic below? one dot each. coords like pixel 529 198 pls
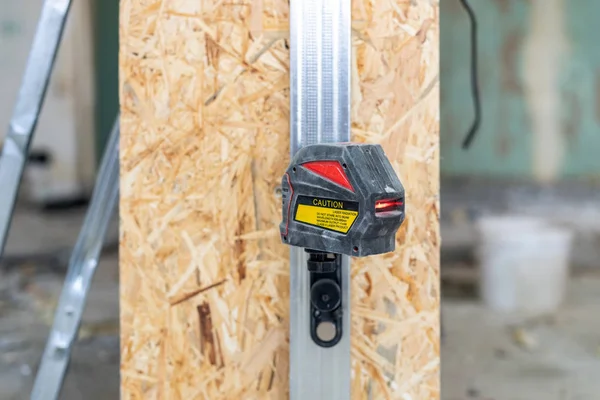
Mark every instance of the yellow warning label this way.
pixel 329 218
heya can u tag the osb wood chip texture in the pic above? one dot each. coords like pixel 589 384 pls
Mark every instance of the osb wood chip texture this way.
pixel 204 87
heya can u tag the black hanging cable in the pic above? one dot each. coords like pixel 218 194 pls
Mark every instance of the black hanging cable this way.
pixel 474 80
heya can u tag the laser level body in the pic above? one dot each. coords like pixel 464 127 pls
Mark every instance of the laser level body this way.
pixel 342 198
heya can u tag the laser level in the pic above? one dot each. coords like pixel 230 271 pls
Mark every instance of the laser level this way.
pixel 338 199
pixel 343 199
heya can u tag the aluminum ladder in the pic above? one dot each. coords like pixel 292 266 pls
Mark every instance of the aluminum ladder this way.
pixel 13 158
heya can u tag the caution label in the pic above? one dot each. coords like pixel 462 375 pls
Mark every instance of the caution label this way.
pixel 334 215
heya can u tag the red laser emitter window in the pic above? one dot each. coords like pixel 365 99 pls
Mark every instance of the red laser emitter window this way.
pixel 387 205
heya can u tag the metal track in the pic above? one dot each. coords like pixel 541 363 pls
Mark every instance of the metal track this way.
pixel 320 113
pixel 82 266
pixel 27 109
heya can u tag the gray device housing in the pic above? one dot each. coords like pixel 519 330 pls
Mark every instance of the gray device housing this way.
pixel 372 178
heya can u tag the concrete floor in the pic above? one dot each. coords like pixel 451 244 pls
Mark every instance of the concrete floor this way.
pixel 29 292
pixel 484 356
pixel 493 357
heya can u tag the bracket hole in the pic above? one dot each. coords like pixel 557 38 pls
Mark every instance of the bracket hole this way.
pixel 285 238
pixel 345 166
pixel 294 169
pixel 326 331
pixel 355 249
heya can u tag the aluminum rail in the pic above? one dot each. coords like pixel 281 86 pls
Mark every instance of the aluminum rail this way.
pixel 82 266
pixel 320 50
pixel 27 108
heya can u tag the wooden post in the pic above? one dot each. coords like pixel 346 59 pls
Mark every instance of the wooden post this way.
pixel 83 72
pixel 204 88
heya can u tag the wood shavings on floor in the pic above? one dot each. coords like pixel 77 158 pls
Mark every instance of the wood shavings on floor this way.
pixel 204 89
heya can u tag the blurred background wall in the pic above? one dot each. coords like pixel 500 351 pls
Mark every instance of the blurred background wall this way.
pixel 82 97
pixel 539 67
pixel 535 155
pixel 536 150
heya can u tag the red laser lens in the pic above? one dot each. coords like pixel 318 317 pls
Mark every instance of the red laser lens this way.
pixel 388 205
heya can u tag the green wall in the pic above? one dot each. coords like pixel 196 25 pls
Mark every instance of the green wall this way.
pixel 106 58
pixel 504 145
pixel 580 89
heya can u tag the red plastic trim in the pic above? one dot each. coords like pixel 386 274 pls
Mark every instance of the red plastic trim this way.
pixel 291 198
pixel 330 170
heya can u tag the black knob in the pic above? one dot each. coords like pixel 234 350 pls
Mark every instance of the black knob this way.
pixel 325 295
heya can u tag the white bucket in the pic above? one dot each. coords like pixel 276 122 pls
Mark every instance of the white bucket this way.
pixel 524 264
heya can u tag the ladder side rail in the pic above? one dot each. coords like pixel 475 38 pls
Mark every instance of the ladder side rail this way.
pixel 82 267
pixel 29 102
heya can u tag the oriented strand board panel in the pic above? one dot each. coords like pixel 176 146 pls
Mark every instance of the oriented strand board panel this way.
pixel 204 87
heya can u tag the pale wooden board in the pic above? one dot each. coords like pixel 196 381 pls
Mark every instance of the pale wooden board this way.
pixel 204 89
